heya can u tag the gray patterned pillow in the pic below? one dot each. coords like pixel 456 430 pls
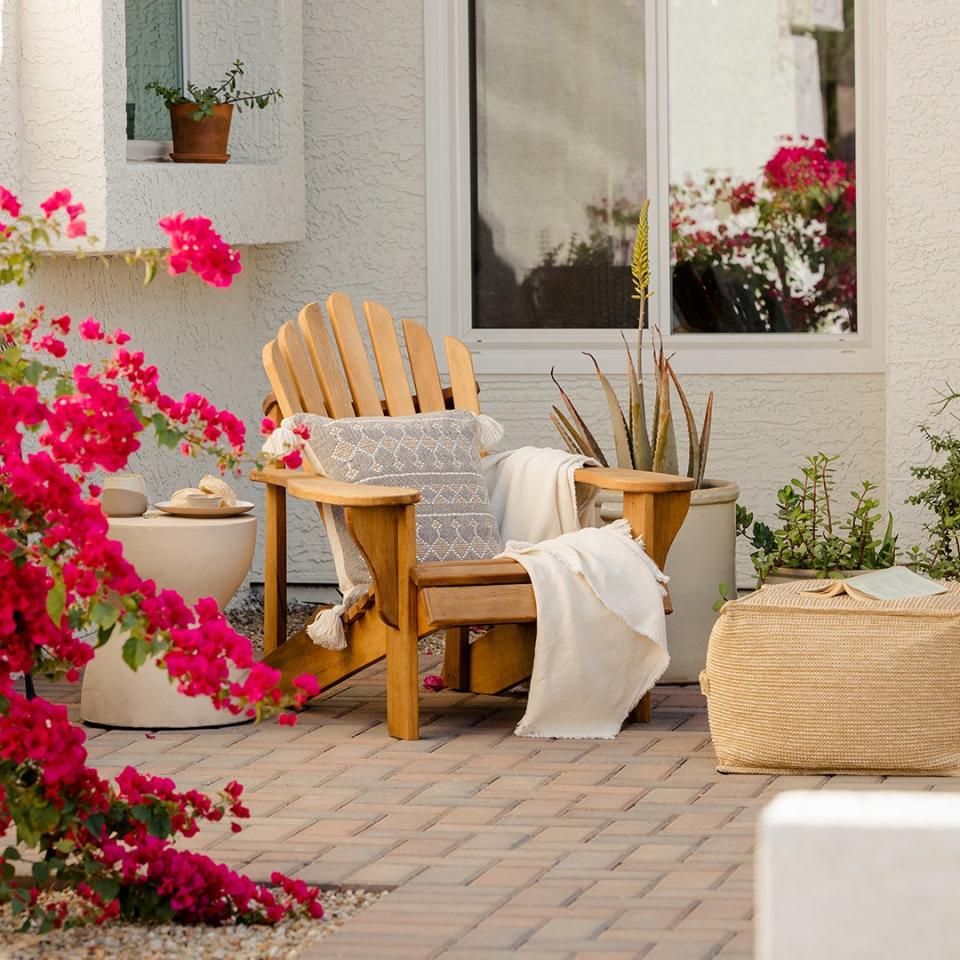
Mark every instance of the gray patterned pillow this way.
pixel 436 453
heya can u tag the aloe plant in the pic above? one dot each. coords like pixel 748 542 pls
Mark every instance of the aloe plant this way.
pixel 638 446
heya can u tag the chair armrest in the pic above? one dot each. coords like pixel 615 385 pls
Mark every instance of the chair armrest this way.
pixel 632 481
pixel 305 486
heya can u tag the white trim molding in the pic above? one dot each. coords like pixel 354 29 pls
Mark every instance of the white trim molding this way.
pixel 530 351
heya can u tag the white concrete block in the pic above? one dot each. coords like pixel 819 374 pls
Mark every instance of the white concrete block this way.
pixel 858 876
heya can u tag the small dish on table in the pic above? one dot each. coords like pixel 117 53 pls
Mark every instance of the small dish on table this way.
pixel 208 510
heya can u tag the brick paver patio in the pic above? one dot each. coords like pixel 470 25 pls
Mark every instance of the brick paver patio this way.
pixel 497 846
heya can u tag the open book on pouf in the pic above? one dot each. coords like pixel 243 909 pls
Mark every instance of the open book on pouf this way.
pixel 894 583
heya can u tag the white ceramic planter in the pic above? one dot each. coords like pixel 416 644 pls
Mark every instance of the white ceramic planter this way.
pixel 703 556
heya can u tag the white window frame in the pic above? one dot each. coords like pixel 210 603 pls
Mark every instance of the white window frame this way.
pixel 535 351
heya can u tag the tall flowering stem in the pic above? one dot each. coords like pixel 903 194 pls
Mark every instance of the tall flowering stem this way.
pixel 111 842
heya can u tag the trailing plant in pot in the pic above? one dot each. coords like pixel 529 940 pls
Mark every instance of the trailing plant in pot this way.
pixel 813 541
pixel 705 549
pixel 200 118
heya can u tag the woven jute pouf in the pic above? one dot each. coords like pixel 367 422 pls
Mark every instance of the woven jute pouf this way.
pixel 804 683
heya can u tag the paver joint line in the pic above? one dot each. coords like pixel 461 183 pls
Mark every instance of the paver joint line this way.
pixel 493 846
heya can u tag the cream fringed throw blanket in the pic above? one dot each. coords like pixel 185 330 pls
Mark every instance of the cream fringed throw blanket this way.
pixel 601 632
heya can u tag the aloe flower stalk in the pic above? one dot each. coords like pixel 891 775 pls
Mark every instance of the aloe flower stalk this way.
pixel 636 445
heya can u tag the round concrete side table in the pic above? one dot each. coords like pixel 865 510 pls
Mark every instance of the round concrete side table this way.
pixel 197 558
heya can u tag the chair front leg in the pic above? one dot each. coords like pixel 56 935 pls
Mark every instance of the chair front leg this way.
pixel 403 676
pixel 387 537
pixel 275 570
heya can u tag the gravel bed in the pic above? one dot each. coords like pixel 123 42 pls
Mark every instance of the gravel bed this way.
pixel 245 613
pixel 125 941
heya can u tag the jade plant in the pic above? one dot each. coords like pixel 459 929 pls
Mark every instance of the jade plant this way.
pixel 639 446
pixel 812 536
pixel 206 98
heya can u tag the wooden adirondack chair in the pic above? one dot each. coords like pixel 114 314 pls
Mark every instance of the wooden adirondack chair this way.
pixel 410 600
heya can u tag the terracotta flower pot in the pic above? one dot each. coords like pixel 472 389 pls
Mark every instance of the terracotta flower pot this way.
pixel 200 141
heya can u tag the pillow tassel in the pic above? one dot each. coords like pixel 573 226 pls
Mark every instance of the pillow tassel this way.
pixel 327 629
pixel 280 442
pixel 490 431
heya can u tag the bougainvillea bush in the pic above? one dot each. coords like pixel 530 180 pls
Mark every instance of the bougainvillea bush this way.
pixel 112 843
pixel 775 254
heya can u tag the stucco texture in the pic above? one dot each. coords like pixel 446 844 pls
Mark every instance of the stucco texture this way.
pixel 923 245
pixel 365 233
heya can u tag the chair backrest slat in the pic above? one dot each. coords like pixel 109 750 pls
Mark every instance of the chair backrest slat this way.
pixel 386 349
pixel 284 388
pixel 423 366
pixel 366 397
pixel 462 377
pixel 326 362
pixel 301 369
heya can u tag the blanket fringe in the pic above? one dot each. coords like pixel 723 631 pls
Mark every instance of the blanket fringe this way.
pixel 622 526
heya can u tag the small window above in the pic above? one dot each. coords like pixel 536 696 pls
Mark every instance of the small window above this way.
pixel 155 51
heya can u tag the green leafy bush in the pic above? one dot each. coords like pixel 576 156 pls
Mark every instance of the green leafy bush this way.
pixel 941 558
pixel 810 537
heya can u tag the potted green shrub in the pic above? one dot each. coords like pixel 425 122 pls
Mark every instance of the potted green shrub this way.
pixel 813 541
pixel 200 118
pixel 940 558
pixel 704 553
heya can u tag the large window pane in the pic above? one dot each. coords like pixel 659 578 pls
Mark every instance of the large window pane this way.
pixel 559 148
pixel 763 195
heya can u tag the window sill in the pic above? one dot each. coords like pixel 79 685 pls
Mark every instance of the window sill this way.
pixel 536 352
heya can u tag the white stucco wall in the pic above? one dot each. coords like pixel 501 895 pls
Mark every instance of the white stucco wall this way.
pixel 365 202
pixel 75 133
pixel 923 242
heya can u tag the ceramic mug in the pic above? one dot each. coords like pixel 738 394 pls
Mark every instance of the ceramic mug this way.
pixel 124 495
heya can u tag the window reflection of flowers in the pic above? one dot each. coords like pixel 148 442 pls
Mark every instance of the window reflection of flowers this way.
pixel 610 227
pixel 778 253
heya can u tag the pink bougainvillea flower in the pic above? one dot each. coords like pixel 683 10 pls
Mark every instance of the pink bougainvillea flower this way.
pixel 90 329
pixel 9 203
pixel 56 201
pixel 307 682
pixel 61 571
pixel 433 682
pixel 196 246
pixel 76 228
